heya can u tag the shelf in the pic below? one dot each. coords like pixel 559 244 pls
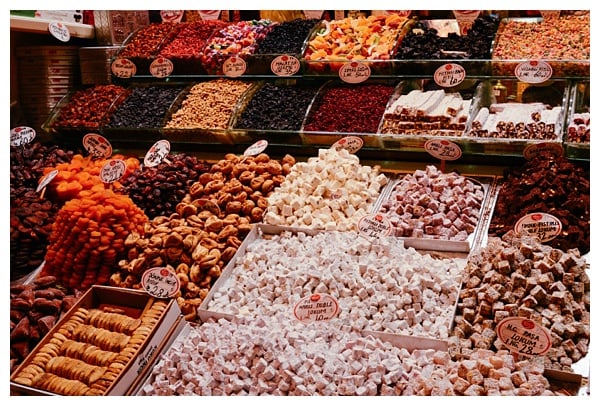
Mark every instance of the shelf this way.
pixel 40 26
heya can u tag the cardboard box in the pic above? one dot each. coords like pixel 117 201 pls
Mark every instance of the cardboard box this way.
pixel 133 303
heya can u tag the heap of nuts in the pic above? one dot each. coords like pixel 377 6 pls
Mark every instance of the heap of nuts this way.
pixel 88 237
pixel 34 310
pixel 210 223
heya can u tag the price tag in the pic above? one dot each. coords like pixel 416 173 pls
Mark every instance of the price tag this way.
pixel 45 181
pixel 97 146
pixel 59 31
pixel 171 16
pixel 234 67
pixel 316 307
pixel 375 225
pixel 465 19
pixel 354 72
pixel 534 150
pixel 161 67
pixel 208 15
pixel 160 282
pixel 448 75
pixel 21 136
pixel 285 65
pixel 533 71
pixel 256 148
pixel 351 143
pixel 443 149
pixel 113 170
pixel 542 225
pixel 524 336
pixel 123 68
pixel 157 153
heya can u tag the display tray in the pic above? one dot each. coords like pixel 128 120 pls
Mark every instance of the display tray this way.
pixel 289 288
pixel 474 239
pixel 317 61
pixel 577 133
pixel 517 28
pixel 112 359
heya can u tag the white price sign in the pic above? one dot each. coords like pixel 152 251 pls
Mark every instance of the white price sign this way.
pixel 113 170
pixel 533 71
pixel 443 149
pixel 97 146
pixel 59 31
pixel 542 225
pixel 316 307
pixel 524 336
pixel 160 282
pixel 45 181
pixel 161 67
pixel 157 153
pixel 21 136
pixel 256 148
pixel 285 65
pixel 354 72
pixel 375 225
pixel 448 75
pixel 123 68
pixel 234 67
pixel 351 143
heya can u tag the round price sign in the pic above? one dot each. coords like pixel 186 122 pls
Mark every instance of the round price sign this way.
pixel 234 67
pixel 113 170
pixel 97 146
pixel 171 16
pixel 59 31
pixel 542 225
pixel 123 68
pixel 21 136
pixel 161 67
pixel 375 225
pixel 316 307
pixel 285 65
pixel 443 149
pixel 533 150
pixel 160 282
pixel 524 336
pixel 256 148
pixel 448 75
pixel 157 153
pixel 354 72
pixel 45 181
pixel 533 71
pixel 351 143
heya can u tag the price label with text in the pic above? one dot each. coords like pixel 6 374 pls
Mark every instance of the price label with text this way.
pixel 256 148
pixel 161 67
pixel 59 31
pixel 209 15
pixel 97 146
pixel 45 181
pixel 534 150
pixel 465 19
pixel 542 225
pixel 21 136
pixel 316 307
pixel 113 170
pixel 157 153
pixel 354 72
pixel 351 143
pixel 123 68
pixel 285 65
pixel 234 67
pixel 375 225
pixel 533 71
pixel 448 75
pixel 171 16
pixel 524 336
pixel 160 282
pixel 443 149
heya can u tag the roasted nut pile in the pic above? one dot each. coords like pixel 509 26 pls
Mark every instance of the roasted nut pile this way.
pixel 34 310
pixel 209 225
pixel 158 189
pixel 552 185
pixel 209 104
pixel 281 356
pixel 89 351
pixel 520 277
pixel 88 237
